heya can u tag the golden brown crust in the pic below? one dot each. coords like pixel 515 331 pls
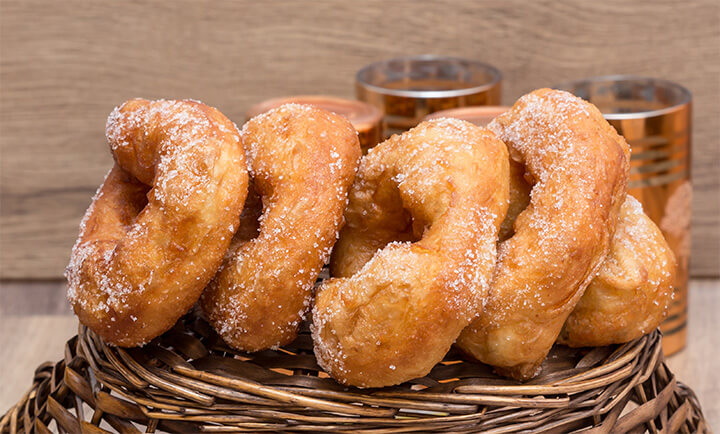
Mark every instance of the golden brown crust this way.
pixel 633 290
pixel 302 160
pixel 140 261
pixel 443 185
pixel 578 166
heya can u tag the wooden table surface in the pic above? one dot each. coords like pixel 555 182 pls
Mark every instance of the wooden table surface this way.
pixel 35 322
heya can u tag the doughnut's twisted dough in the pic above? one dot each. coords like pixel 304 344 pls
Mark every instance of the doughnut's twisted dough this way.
pixel 302 161
pixel 399 304
pixel 161 222
pixel 578 167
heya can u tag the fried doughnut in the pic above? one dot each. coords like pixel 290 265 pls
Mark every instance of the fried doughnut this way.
pixel 302 162
pixel 415 256
pixel 631 294
pixel 161 222
pixel 577 165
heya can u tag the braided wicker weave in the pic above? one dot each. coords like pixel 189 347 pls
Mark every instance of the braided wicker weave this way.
pixel 189 381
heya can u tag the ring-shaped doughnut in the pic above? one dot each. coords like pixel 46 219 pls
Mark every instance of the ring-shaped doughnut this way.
pixel 577 165
pixel 160 223
pixel 633 289
pixel 302 161
pixel 415 256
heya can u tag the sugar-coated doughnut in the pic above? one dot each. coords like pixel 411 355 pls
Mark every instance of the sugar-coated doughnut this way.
pixel 302 161
pixel 577 165
pixel 160 224
pixel 414 260
pixel 633 289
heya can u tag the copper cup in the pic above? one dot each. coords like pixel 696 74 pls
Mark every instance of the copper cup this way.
pixel 409 88
pixel 366 119
pixel 480 116
pixel 655 118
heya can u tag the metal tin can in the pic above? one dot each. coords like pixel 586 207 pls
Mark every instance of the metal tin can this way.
pixel 409 88
pixel 480 116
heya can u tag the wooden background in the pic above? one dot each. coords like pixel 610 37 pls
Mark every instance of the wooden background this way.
pixel 64 65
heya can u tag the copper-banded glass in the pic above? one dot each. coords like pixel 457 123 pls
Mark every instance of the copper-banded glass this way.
pixel 366 119
pixel 409 88
pixel 655 118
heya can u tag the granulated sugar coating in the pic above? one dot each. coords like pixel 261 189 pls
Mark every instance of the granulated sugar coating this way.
pixel 302 162
pixel 159 225
pixel 413 262
pixel 578 168
pixel 632 292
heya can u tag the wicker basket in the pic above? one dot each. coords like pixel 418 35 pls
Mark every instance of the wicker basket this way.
pixel 189 381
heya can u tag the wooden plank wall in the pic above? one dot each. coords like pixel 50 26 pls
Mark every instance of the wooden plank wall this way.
pixel 64 65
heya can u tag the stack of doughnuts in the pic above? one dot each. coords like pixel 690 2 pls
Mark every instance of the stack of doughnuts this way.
pixel 501 240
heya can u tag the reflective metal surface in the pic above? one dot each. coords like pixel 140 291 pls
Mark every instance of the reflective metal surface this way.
pixel 408 89
pixel 480 116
